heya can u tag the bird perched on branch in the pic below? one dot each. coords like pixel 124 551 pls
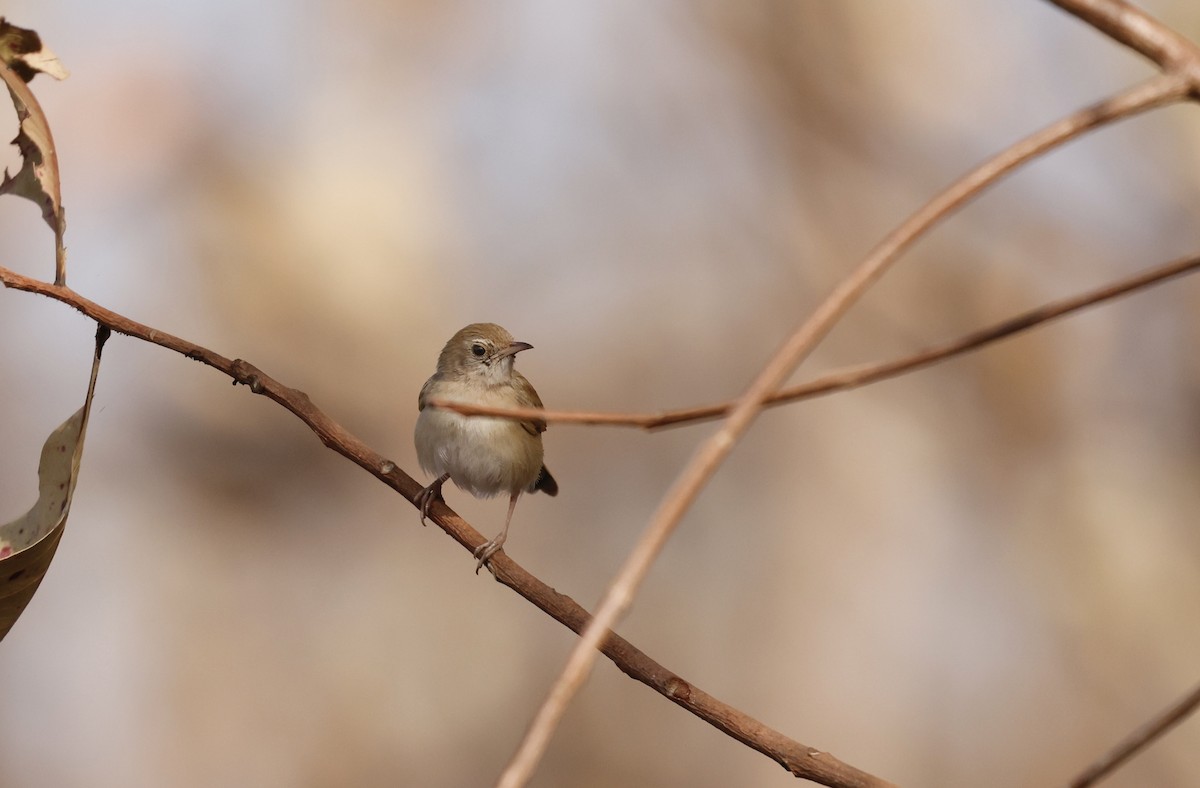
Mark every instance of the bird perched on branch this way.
pixel 481 454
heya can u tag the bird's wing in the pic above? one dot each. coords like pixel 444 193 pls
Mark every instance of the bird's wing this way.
pixel 527 397
pixel 426 392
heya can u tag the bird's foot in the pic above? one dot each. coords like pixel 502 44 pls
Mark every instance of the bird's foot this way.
pixel 427 496
pixel 485 552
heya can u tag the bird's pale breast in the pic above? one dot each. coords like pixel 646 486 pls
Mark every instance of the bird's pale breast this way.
pixel 483 456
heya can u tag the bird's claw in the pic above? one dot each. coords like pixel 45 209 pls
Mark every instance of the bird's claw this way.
pixel 424 499
pixel 485 552
pixel 427 496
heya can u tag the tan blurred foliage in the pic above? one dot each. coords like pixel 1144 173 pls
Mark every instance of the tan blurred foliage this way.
pixel 983 574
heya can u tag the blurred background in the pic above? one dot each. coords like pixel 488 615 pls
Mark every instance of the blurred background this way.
pixel 983 574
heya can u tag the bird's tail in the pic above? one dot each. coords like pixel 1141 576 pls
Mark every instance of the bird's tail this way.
pixel 544 482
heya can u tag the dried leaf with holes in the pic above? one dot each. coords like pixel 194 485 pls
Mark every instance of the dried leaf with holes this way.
pixel 27 544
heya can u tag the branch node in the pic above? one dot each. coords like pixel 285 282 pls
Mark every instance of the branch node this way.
pixel 247 374
pixel 678 688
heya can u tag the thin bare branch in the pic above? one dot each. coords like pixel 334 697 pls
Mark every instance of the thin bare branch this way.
pixel 862 374
pixel 797 758
pixel 1160 90
pixel 1139 740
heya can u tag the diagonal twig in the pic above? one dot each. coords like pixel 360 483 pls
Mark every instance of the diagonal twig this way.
pixel 792 755
pixel 1139 740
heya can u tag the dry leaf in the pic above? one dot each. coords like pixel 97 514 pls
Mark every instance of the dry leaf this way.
pixel 27 544
pixel 23 55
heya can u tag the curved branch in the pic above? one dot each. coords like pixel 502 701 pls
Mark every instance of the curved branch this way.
pixel 712 452
pixel 797 758
pixel 709 455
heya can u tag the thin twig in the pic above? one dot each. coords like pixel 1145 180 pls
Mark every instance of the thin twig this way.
pixel 1155 92
pixel 1139 740
pixel 797 758
pixel 861 374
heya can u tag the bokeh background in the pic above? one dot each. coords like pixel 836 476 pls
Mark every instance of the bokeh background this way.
pixel 983 574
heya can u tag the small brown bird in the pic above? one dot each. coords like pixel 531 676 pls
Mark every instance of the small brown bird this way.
pixel 482 455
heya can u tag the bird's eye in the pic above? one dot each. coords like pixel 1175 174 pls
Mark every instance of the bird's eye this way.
pixel 478 349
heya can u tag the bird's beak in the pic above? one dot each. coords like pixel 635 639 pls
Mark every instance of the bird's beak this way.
pixel 512 350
